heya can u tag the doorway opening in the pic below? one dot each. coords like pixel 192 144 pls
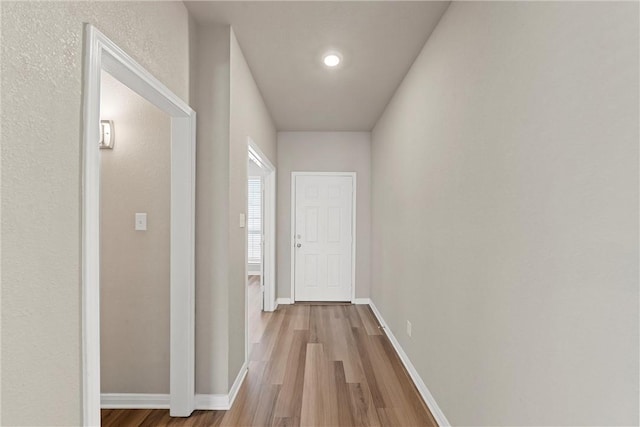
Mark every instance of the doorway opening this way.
pixel 135 178
pixel 260 261
pixel 102 55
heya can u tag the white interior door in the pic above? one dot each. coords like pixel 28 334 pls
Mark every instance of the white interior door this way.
pixel 323 237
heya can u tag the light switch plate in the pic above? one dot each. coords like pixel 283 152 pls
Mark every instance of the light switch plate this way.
pixel 243 220
pixel 141 221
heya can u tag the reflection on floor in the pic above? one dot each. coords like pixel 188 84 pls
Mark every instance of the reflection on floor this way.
pixel 313 365
pixel 258 319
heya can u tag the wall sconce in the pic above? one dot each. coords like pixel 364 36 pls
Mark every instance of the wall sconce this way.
pixel 107 136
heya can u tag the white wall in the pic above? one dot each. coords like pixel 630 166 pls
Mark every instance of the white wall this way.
pixel 324 152
pixel 41 76
pixel 135 177
pixel 505 213
pixel 230 108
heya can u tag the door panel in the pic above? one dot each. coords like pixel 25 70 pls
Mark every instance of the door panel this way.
pixel 323 238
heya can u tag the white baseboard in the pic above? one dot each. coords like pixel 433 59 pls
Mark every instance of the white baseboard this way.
pixel 222 402
pixel 238 382
pixel 134 401
pixel 413 373
pixel 360 301
pixel 213 402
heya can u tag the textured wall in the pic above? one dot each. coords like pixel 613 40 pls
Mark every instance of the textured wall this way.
pixel 249 117
pixel 324 152
pixel 505 213
pixel 134 265
pixel 41 64
pixel 230 108
pixel 211 100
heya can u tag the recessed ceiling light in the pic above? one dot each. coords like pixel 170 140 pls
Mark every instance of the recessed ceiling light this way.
pixel 331 60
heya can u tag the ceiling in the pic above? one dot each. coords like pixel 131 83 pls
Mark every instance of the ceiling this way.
pixel 284 42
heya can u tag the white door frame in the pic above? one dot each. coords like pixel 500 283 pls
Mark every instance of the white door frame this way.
pixel 102 54
pixel 296 174
pixel 269 224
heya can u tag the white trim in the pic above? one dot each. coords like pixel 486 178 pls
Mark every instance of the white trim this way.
pixel 413 373
pixel 91 233
pixel 235 388
pixel 182 271
pixel 222 402
pixel 283 301
pixel 269 254
pixel 362 301
pixel 102 54
pixel 354 198
pixel 212 402
pixel 134 401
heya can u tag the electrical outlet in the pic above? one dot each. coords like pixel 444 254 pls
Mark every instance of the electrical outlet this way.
pixel 408 328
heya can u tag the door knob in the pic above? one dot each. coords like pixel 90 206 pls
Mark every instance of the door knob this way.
pixel 299 245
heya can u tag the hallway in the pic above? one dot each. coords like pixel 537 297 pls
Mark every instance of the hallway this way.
pixel 314 365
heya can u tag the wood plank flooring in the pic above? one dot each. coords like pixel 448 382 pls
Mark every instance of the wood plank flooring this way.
pixel 312 365
pixel 258 319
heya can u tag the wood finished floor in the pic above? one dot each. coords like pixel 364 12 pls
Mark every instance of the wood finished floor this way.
pixel 258 319
pixel 312 365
